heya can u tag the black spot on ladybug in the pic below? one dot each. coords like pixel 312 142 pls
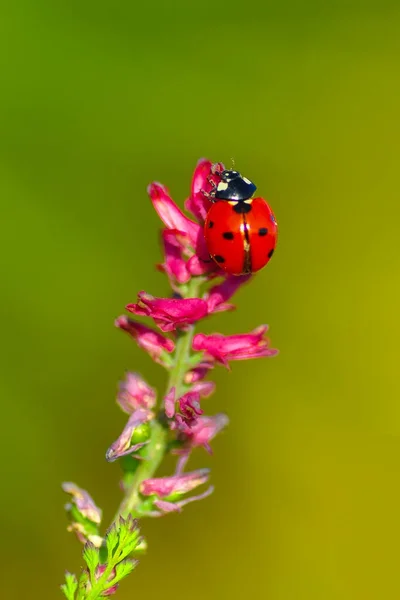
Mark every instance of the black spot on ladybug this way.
pixel 242 208
pixel 210 224
pixel 263 231
pixel 228 235
pixel 219 259
pixel 270 253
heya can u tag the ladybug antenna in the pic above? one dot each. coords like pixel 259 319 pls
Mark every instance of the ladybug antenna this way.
pixel 233 163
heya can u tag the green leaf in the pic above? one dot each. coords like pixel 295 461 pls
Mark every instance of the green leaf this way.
pixel 70 586
pixel 112 539
pixel 91 557
pixel 123 569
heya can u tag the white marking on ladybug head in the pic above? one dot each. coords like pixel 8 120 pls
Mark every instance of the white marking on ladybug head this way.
pixel 246 180
pixel 222 186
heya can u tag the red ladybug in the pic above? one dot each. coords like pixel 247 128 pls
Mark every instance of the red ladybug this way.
pixel 240 230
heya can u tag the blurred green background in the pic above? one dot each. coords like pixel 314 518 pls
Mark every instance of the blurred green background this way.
pixel 98 99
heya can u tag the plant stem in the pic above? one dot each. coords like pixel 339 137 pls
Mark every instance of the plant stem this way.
pixel 158 435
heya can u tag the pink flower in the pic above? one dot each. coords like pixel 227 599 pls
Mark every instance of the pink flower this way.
pixel 189 408
pixel 218 295
pixel 169 313
pixel 224 348
pixel 83 502
pixel 165 507
pixel 149 340
pixel 171 215
pixel 135 393
pixel 174 485
pixel 204 431
pixel 199 372
pixel 123 445
pixel 204 388
pixel 198 203
pixel 174 265
pixel 182 231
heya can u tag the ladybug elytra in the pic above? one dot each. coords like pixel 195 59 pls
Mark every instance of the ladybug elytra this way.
pixel 240 230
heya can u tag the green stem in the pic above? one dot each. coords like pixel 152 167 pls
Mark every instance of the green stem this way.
pixel 158 437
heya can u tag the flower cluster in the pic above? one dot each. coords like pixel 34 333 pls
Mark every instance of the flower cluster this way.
pixel 175 422
pixel 189 270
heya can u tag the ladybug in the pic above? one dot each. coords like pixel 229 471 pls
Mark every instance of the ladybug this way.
pixel 240 231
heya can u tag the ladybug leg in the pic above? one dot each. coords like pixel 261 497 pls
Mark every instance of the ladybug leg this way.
pixel 209 195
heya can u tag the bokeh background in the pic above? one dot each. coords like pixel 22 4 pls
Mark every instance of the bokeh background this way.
pixel 98 99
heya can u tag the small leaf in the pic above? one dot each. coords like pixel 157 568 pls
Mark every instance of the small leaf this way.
pixel 70 586
pixel 123 569
pixel 112 540
pixel 91 557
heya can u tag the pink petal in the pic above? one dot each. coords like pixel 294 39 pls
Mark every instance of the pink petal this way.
pixel 135 393
pixel 169 403
pixel 147 338
pixel 218 295
pixel 176 484
pixel 234 347
pixel 174 265
pixel 83 502
pixel 169 313
pixel 122 446
pixel 206 429
pixel 198 203
pixel 204 388
pixel 170 214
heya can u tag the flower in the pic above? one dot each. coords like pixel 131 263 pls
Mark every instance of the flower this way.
pixel 171 215
pixel 169 313
pixel 166 507
pixel 224 348
pixel 199 371
pixel 85 516
pixel 83 502
pixel 176 485
pixel 123 445
pixel 198 203
pixel 218 295
pixel 135 393
pixel 174 265
pixel 149 340
pixel 204 430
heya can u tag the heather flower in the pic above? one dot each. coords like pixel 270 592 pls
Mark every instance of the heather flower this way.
pixel 218 295
pixel 169 313
pixel 174 265
pixel 135 393
pixel 84 515
pixel 123 446
pixel 199 203
pixel 199 371
pixel 224 348
pixel 204 430
pixel 165 506
pixel 149 340
pixel 83 502
pixel 175 485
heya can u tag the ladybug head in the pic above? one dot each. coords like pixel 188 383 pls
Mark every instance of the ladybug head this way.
pixel 234 187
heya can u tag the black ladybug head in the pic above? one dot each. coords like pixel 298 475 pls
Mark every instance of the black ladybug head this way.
pixel 234 187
